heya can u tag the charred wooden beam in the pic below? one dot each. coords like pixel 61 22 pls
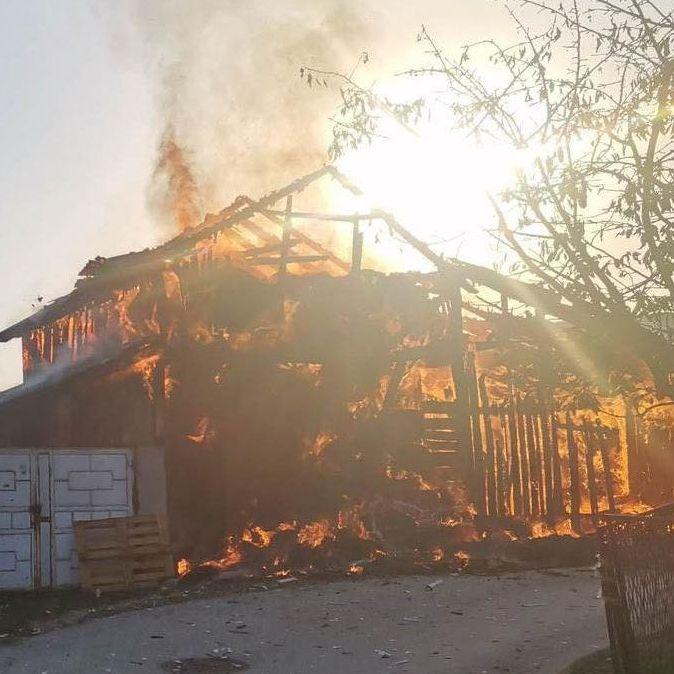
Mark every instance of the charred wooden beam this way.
pixel 308 241
pixel 271 248
pixel 458 365
pixel 532 452
pixel 558 496
pixel 356 248
pixel 515 464
pixel 397 374
pixel 492 508
pixel 479 493
pixel 574 473
pixel 547 462
pixel 634 467
pixel 588 436
pixel 285 237
pixel 328 217
pixel 606 463
pixel 290 259
pixel 524 457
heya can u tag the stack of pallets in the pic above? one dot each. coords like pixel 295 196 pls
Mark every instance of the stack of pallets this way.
pixel 123 553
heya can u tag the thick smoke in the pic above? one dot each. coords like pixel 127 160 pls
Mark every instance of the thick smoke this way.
pixel 231 106
pixel 228 91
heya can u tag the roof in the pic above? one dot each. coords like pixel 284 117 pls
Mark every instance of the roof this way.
pixel 101 275
pixel 115 355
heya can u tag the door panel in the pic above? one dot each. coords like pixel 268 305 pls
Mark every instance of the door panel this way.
pixel 86 485
pixel 42 492
pixel 42 515
pixel 16 534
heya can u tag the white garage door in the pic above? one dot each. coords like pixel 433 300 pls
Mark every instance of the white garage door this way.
pixel 42 492
pixel 16 534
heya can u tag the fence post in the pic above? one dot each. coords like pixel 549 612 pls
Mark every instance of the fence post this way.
pixel 558 497
pixel 524 458
pixel 589 463
pixel 489 442
pixel 574 473
pixel 478 454
pixel 634 467
pixel 532 451
pixel 606 463
pixel 515 467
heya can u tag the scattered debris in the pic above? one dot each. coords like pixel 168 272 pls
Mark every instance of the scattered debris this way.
pixel 382 654
pixel 212 664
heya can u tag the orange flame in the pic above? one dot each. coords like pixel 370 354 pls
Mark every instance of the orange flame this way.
pixel 182 567
pixel 313 534
pixel 257 536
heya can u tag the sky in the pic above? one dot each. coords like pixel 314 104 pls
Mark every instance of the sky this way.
pixel 88 88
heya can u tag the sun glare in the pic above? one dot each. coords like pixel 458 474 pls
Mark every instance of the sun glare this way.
pixel 437 183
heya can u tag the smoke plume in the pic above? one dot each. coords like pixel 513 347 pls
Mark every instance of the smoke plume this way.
pixel 233 115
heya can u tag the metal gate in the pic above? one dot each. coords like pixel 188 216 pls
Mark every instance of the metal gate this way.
pixel 42 492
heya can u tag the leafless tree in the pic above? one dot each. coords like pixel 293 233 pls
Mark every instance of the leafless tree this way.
pixel 589 87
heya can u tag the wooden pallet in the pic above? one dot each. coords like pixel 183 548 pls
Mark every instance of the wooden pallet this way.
pixel 122 553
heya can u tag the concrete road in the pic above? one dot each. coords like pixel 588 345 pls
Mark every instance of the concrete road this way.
pixel 525 622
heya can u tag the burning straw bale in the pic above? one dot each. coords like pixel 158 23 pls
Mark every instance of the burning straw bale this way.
pixel 306 441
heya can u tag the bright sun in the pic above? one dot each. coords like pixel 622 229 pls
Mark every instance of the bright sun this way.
pixel 436 184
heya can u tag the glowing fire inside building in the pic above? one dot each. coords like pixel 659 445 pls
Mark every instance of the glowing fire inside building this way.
pixel 319 408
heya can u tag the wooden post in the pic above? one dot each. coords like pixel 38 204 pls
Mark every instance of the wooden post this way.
pixel 574 473
pixel 458 364
pixel 285 237
pixel 606 463
pixel 515 465
pixel 499 451
pixel 532 451
pixel 558 497
pixel 634 467
pixel 504 457
pixel 504 303
pixel 479 494
pixel 356 248
pixel 395 378
pixel 524 457
pixel 589 463
pixel 489 442
pixel 548 502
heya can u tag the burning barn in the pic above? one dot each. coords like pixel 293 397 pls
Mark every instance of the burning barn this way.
pixel 286 398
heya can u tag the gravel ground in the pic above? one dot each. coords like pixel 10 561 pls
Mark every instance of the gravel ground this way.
pixel 522 622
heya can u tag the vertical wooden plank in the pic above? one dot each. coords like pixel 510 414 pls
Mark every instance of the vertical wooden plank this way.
pixel 498 459
pixel 634 468
pixel 589 463
pixel 532 451
pixel 458 364
pixel 505 464
pixel 285 236
pixel 574 473
pixel 356 248
pixel 546 446
pixel 489 443
pixel 515 465
pixel 602 440
pixel 524 457
pixel 395 378
pixel 479 493
pixel 558 496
